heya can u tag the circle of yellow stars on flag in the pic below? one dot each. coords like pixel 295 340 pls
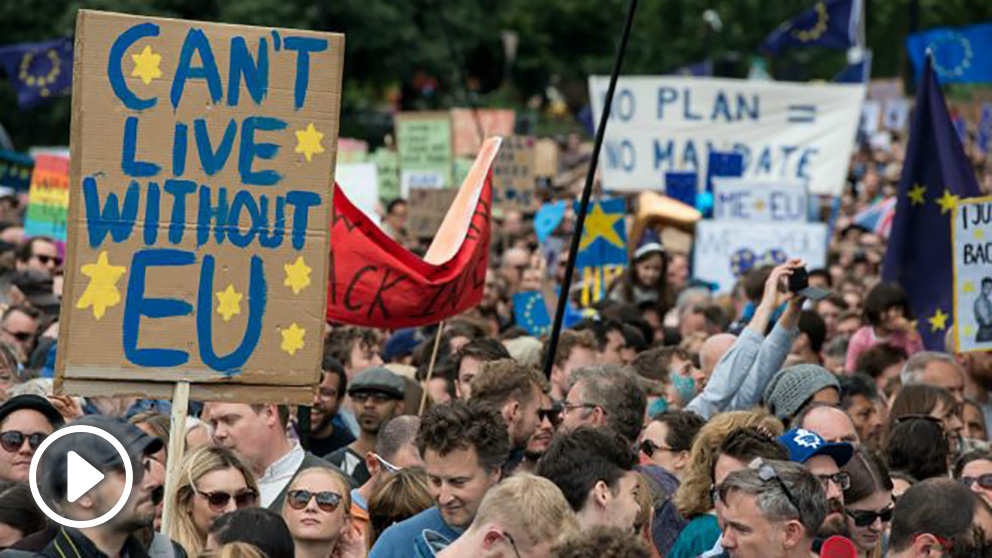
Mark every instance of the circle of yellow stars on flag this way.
pixel 818 29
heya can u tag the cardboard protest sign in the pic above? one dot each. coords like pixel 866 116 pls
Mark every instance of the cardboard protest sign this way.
pixel 467 123
pixel 972 238
pixel 387 166
pixel 201 186
pixel 546 158
pixel 514 183
pixel 724 251
pixel 784 130
pixel 15 170
pixel 741 199
pixel 48 199
pixel 427 209
pixel 425 150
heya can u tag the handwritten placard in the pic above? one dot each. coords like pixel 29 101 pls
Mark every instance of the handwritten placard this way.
pixel 740 199
pixel 202 174
pixel 428 206
pixel 48 199
pixel 514 183
pixel 972 233
pixel 425 150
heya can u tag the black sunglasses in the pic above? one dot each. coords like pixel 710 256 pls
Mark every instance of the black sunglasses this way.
pixel 45 260
pixel 21 336
pixel 984 481
pixel 864 518
pixel 326 501
pixel 218 499
pixel 648 448
pixel 13 440
pixel 552 415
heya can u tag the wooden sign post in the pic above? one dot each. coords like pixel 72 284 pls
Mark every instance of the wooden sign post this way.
pixel 202 165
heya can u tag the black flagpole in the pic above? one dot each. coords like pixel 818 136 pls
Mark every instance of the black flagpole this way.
pixel 549 357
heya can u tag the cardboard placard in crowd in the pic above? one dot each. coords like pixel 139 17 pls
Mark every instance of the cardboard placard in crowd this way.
pixel 741 199
pixel 724 251
pixel 202 174
pixel 466 125
pixel 546 158
pixel 971 232
pixel 387 166
pixel 427 209
pixel 425 146
pixel 514 183
pixel 786 131
pixel 48 199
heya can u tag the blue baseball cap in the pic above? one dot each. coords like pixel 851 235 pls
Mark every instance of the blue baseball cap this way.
pixel 804 444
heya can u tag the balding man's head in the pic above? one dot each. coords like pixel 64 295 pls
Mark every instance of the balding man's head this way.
pixel 713 350
pixel 832 424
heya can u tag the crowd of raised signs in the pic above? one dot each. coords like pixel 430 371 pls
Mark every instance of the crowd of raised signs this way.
pixel 674 423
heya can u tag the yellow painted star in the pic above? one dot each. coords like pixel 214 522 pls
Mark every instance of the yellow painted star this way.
pixel 297 275
pixel 759 205
pixel 979 234
pixel 916 194
pixel 969 287
pixel 947 201
pixel 938 321
pixel 102 291
pixel 146 65
pixel 599 224
pixel 292 338
pixel 229 303
pixel 308 142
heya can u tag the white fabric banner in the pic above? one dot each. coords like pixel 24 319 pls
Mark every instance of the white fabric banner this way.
pixel 724 250
pixel 785 130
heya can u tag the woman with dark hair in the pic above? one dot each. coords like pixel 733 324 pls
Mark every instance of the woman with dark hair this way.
pixel 932 401
pixel 645 281
pixel 889 321
pixel 19 515
pixel 868 503
pixel 917 445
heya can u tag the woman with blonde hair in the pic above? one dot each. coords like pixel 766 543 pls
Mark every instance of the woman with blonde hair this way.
pixel 212 481
pixel 739 436
pixel 317 511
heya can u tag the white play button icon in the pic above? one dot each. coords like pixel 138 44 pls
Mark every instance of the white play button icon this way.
pixel 80 477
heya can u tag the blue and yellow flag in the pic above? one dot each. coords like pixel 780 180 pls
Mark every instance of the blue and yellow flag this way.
pixel 38 71
pixel 960 54
pixel 828 24
pixel 935 175
pixel 604 235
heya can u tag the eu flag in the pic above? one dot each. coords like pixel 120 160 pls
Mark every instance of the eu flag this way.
pixel 960 54
pixel 38 71
pixel 530 313
pixel 936 173
pixel 828 24
pixel 604 235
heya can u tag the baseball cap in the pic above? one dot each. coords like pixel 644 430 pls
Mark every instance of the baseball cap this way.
pixel 378 380
pixel 804 444
pixel 94 450
pixel 33 403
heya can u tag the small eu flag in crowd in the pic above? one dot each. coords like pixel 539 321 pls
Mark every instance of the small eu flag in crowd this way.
pixel 38 71
pixel 604 236
pixel 828 24
pixel 530 313
pixel 960 54
pixel 935 175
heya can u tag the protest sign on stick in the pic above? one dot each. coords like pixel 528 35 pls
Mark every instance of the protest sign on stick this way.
pixel 972 239
pixel 201 186
pixel 48 199
pixel 424 143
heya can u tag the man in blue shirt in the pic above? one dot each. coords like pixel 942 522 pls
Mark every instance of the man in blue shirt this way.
pixel 464 446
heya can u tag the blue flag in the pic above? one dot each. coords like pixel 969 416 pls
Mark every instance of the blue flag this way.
pixel 828 24
pixel 38 71
pixel 985 129
pixel 531 314
pixel 936 173
pixel 699 69
pixel 859 72
pixel 682 186
pixel 720 164
pixel 547 219
pixel 960 54
pixel 604 235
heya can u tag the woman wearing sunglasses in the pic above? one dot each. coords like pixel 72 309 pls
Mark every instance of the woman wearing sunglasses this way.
pixel 212 482
pixel 317 512
pixel 868 503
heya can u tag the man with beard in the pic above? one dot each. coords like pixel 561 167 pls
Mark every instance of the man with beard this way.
pixel 824 461
pixel 549 415
pixel 116 537
pixel 515 391
pixel 329 433
pixel 377 396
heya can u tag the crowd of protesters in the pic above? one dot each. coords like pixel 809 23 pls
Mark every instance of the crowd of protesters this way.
pixel 674 421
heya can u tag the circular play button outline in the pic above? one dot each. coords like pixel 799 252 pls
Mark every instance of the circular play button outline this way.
pixel 33 474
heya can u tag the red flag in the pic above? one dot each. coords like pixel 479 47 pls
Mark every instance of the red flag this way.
pixel 375 282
